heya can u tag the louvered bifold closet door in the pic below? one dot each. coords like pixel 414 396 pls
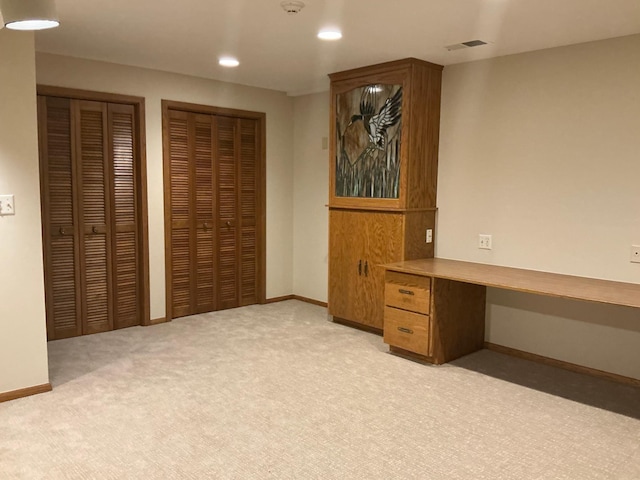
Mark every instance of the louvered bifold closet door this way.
pixel 192 220
pixel 93 190
pixel 227 157
pixel 237 150
pixel 124 239
pixel 249 155
pixel 205 226
pixel 180 191
pixel 59 218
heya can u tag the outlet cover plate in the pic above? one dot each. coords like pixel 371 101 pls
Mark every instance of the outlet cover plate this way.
pixel 484 241
pixel 635 253
pixel 6 205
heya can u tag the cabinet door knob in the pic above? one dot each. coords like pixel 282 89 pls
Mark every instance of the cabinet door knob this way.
pixel 94 229
pixel 406 292
pixel 62 231
pixel 205 225
pixel 228 224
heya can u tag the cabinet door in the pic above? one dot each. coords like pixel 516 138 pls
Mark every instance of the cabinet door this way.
pixel 383 244
pixel 345 253
pixel 359 243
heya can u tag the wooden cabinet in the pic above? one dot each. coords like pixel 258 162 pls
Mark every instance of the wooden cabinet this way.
pixel 384 128
pixel 432 319
pixel 361 242
pixel 92 216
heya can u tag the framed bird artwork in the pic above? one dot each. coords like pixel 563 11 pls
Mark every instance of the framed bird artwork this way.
pixel 368 133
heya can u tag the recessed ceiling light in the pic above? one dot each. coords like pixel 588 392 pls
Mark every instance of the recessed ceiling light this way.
pixel 228 62
pixel 330 34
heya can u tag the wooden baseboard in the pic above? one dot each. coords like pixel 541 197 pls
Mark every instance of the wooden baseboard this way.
pixel 25 392
pixel 296 297
pixel 562 364
pixel 310 300
pixel 359 326
pixel 279 299
pixel 156 321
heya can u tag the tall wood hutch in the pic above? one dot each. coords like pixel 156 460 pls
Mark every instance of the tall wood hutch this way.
pixel 385 123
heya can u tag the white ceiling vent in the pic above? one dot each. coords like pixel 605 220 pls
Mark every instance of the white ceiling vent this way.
pixel 292 7
pixel 469 44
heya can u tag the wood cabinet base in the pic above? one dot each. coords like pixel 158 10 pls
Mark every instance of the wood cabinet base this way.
pixel 400 352
pixel 455 325
pixel 359 326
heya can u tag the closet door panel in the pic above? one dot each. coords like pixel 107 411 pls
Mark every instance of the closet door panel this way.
pixel 180 201
pixel 204 180
pixel 59 218
pixel 249 211
pixel 121 119
pixel 93 191
pixel 227 169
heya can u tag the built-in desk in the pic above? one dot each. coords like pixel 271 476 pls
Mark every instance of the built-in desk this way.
pixel 451 322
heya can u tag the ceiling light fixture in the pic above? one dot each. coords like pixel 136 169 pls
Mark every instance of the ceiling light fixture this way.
pixel 329 34
pixel 29 14
pixel 228 62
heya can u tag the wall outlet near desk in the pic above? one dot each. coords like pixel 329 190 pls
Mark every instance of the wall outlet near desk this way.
pixel 429 236
pixel 635 253
pixel 484 241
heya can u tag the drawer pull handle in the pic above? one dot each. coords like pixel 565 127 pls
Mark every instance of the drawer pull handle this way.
pixel 405 330
pixel 406 292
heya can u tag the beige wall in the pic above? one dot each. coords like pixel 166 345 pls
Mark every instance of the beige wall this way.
pixel 23 348
pixel 540 150
pixel 155 86
pixel 310 196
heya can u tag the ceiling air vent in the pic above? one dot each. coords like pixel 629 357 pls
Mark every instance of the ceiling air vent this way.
pixel 469 44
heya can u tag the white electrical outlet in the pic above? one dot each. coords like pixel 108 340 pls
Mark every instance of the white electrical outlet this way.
pixel 429 237
pixel 484 241
pixel 6 205
pixel 635 253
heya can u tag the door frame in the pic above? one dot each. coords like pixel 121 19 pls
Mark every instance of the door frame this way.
pixel 140 144
pixel 261 187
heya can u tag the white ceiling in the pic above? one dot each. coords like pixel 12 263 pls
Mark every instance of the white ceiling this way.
pixel 281 52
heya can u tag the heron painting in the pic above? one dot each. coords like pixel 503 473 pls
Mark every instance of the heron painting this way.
pixel 368 131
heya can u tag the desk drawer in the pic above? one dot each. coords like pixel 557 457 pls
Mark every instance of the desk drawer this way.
pixel 408 292
pixel 407 330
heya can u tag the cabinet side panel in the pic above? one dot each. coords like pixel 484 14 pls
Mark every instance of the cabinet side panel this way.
pixel 422 147
pixel 415 235
pixel 458 311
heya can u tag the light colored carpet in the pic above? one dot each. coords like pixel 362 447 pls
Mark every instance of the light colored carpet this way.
pixel 279 392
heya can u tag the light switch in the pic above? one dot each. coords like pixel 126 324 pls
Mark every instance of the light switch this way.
pixel 6 205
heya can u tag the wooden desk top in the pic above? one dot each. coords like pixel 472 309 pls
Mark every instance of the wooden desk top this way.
pixel 521 280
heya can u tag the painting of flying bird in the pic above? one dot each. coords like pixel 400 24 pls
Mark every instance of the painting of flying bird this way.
pixel 368 134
